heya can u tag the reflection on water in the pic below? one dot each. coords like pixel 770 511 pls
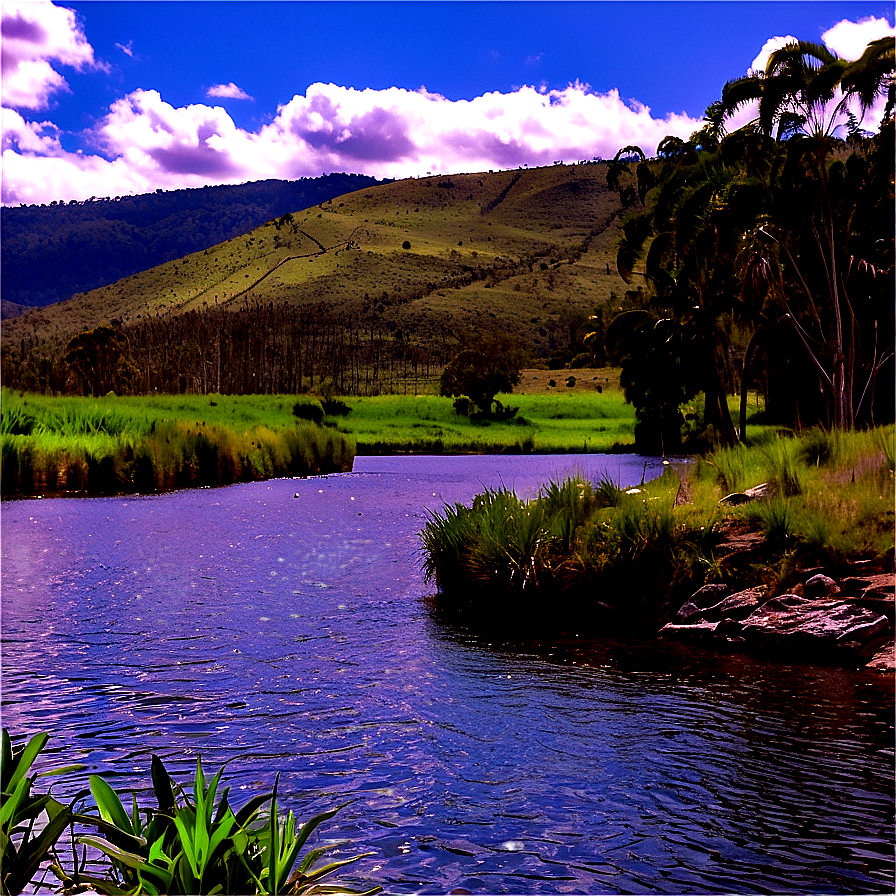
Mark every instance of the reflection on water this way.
pixel 286 624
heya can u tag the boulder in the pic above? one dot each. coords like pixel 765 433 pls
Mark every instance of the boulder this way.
pixel 884 660
pixel 736 606
pixel 820 586
pixel 763 490
pixel 698 631
pixel 787 602
pixel 709 595
pixel 814 624
pixel 735 499
pixel 689 612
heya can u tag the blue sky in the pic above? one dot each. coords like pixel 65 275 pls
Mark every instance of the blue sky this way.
pixel 109 98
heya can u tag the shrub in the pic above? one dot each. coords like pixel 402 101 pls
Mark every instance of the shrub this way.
pixel 308 409
pixel 333 407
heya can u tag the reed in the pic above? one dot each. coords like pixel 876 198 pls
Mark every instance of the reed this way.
pixel 101 448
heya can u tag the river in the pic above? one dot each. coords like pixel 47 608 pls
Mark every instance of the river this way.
pixel 285 626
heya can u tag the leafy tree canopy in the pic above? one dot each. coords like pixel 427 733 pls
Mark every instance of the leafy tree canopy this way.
pixel 490 364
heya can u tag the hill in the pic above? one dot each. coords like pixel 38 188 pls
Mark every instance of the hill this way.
pixel 404 269
pixel 51 252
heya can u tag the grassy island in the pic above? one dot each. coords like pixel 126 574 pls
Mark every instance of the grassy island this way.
pixel 592 557
pixel 113 445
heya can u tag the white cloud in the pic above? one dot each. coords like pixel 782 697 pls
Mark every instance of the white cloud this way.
pixel 144 143
pixel 227 91
pixel 36 34
pixel 769 47
pixel 387 133
pixel 849 39
pixel 127 49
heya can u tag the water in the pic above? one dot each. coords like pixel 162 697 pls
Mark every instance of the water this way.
pixel 285 625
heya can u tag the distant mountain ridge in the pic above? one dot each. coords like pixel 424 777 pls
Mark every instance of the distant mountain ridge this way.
pixel 52 252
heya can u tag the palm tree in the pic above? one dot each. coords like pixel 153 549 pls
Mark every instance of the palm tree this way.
pixel 802 244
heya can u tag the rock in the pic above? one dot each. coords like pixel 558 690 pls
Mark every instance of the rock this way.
pixel 763 490
pixel 821 586
pixel 884 660
pixel 729 628
pixel 821 624
pixel 709 595
pixel 736 606
pixel 689 612
pixel 699 631
pixel 735 499
pixel 786 602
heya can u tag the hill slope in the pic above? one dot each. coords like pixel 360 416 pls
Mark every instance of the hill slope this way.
pixel 530 248
pixel 50 253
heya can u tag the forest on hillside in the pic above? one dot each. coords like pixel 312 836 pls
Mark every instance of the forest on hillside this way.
pixel 52 252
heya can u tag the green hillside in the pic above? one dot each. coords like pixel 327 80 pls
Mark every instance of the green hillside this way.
pixel 531 249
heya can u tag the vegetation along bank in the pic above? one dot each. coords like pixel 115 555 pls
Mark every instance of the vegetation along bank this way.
pixel 786 544
pixel 112 445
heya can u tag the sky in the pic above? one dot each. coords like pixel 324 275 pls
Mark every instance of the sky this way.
pixel 116 98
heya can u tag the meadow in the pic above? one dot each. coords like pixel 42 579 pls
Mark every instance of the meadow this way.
pixel 586 422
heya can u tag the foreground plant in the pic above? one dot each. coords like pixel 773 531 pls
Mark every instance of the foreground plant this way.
pixel 30 823
pixel 187 843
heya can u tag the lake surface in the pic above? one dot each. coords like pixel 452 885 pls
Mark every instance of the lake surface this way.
pixel 285 625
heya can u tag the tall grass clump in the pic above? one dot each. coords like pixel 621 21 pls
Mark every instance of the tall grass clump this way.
pixel 53 448
pixel 592 555
pixel 579 552
pixel 181 842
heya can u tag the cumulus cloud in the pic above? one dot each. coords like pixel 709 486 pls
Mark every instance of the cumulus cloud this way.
pixel 144 143
pixel 849 39
pixel 35 36
pixel 148 143
pixel 227 91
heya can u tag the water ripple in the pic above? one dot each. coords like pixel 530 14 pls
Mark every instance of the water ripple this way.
pixel 294 638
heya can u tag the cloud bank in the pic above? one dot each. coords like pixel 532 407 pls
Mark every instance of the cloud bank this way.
pixel 144 143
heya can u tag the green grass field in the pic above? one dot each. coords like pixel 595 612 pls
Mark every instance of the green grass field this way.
pixel 587 422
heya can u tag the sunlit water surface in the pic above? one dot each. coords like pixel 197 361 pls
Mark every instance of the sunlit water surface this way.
pixel 285 625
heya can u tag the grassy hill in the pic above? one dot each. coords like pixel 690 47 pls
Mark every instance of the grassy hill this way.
pixel 530 248
pixel 51 252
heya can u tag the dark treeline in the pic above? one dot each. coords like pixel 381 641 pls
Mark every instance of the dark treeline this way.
pixel 260 349
pixel 52 252
pixel 769 248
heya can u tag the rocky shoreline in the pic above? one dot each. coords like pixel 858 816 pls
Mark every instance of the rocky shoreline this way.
pixel 849 621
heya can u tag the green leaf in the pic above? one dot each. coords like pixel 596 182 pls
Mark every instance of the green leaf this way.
pixel 32 852
pixel 161 783
pixel 109 804
pixel 186 843
pixel 21 762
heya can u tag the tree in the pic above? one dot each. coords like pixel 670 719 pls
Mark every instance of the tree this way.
pixel 779 234
pixel 822 246
pixel 490 364
pixel 99 361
